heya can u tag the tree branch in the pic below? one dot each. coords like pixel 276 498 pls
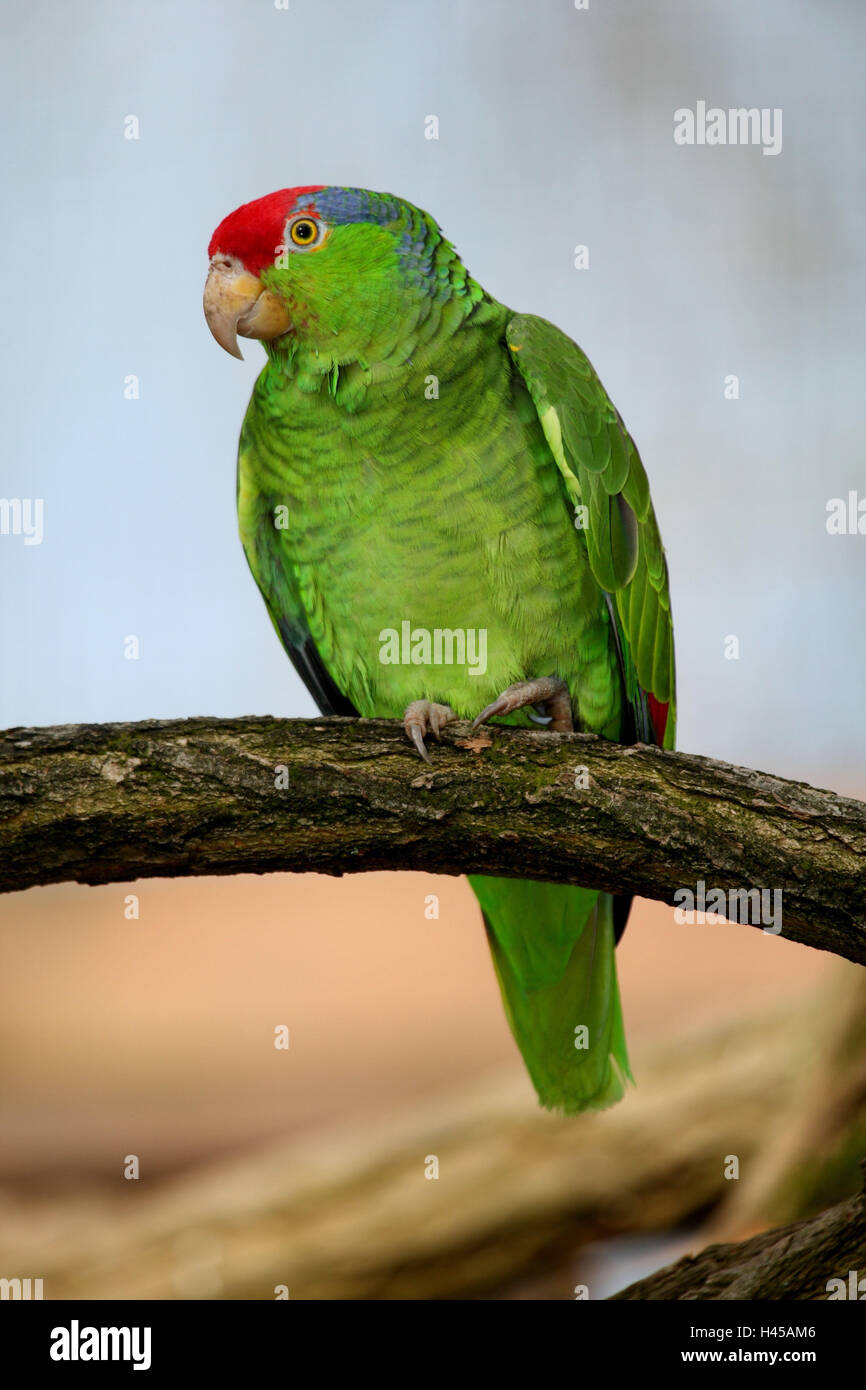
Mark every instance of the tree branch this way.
pixel 791 1262
pixel 114 802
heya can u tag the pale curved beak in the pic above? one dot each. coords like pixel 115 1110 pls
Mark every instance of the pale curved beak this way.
pixel 234 302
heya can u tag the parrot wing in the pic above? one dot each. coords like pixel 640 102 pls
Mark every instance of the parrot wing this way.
pixel 602 472
pixel 278 582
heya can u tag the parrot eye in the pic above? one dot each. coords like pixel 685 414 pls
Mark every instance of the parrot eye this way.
pixel 305 232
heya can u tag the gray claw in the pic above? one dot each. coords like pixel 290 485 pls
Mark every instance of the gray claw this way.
pixel 418 739
pixel 425 716
pixel 488 713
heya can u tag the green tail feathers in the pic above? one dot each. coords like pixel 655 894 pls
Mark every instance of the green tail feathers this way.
pixel 553 950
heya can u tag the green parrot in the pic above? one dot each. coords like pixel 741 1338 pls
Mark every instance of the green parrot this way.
pixel 447 519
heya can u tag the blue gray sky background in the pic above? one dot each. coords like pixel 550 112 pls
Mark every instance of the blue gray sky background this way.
pixel 555 129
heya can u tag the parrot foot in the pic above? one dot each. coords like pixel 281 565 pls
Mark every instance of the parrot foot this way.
pixel 549 692
pixel 424 717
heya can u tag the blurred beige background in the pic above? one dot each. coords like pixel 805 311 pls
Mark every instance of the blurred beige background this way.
pixel 155 1036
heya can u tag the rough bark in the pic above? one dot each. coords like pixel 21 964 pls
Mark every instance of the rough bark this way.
pixel 790 1263
pixel 114 802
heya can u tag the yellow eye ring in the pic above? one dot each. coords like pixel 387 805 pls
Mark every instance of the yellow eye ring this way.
pixel 304 231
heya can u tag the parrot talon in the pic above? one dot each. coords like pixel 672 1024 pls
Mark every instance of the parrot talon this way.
pixel 425 717
pixel 549 692
pixel 498 707
pixel 418 739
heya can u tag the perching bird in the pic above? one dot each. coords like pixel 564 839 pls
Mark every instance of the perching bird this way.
pixel 415 453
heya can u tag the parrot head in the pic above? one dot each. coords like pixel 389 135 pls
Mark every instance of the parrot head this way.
pixel 335 269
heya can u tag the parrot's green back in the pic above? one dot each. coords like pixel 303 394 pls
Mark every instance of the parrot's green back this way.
pixel 455 466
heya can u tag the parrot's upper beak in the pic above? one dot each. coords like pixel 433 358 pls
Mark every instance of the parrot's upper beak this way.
pixel 234 302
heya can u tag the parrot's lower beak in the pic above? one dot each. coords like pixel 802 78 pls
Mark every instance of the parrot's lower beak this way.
pixel 234 302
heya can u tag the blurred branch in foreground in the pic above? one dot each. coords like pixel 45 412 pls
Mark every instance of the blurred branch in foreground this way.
pixel 113 802
pixel 519 1193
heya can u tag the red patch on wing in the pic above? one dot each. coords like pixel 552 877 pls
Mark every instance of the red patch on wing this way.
pixel 659 716
pixel 254 231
